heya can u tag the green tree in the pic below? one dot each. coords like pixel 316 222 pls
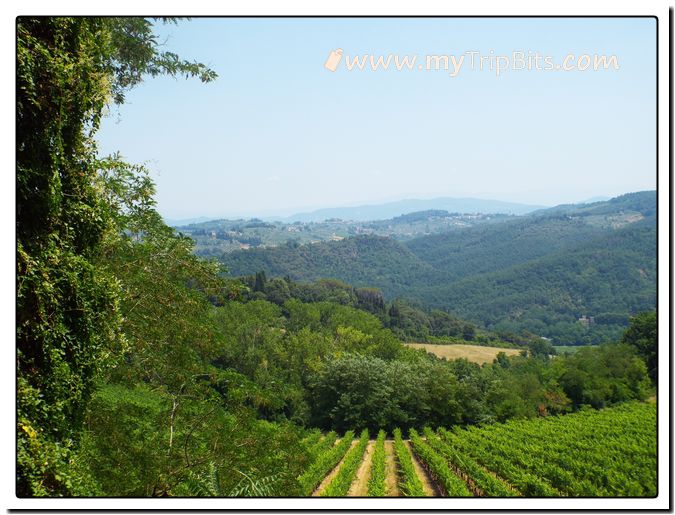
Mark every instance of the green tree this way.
pixel 539 347
pixel 277 291
pixel 603 375
pixel 260 282
pixel 165 407
pixel 642 334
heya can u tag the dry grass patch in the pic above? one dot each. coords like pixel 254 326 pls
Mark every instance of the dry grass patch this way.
pixel 476 353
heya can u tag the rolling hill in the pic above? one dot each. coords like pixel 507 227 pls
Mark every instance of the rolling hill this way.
pixel 609 278
pixel 540 272
pixel 361 261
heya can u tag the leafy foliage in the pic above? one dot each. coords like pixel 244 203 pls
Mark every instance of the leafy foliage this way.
pixel 68 305
pixel 604 375
pixel 401 317
pixel 642 335
pixel 377 486
pixel 323 445
pixel 248 487
pixel 368 392
pixel 352 391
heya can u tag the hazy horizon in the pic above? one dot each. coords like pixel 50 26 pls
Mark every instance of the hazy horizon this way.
pixel 277 133
pixel 289 212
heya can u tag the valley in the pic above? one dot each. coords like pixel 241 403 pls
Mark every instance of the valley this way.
pixel 541 272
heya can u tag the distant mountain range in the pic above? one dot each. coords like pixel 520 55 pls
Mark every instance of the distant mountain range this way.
pixel 402 207
pixel 372 212
pixel 541 272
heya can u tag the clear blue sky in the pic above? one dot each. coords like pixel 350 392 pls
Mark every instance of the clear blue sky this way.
pixel 278 133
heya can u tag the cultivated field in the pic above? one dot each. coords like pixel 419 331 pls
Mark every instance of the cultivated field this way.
pixel 476 353
pixel 608 453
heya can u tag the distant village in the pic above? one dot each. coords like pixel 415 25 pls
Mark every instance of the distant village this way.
pixel 216 237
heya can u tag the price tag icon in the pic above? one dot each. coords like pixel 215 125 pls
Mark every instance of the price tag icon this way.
pixel 333 60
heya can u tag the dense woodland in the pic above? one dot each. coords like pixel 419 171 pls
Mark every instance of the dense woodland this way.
pixel 143 370
pixel 407 320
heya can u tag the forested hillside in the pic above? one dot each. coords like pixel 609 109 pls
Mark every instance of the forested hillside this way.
pixel 540 272
pixel 361 261
pixel 609 277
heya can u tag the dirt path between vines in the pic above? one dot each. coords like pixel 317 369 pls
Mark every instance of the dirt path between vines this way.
pixel 430 489
pixel 390 462
pixel 359 486
pixel 326 480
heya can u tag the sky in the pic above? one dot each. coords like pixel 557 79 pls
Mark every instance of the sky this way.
pixel 278 133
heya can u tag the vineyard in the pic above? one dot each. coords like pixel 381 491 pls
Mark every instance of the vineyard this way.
pixel 607 453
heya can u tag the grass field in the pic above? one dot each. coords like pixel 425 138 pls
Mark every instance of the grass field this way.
pixel 476 353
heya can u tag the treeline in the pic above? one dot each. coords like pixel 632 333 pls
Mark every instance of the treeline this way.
pixel 368 392
pixel 329 365
pixel 407 321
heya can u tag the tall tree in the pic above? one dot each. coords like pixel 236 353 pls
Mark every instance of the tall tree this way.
pixel 642 334
pixel 68 307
